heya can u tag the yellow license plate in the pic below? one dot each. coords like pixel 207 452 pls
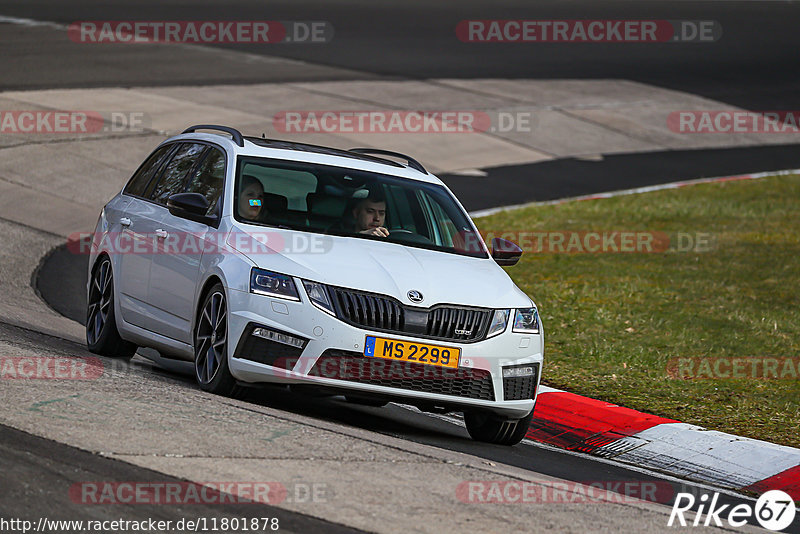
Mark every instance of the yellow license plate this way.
pixel 407 351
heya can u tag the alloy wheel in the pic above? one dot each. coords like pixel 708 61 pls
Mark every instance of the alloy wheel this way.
pixel 211 338
pixel 100 298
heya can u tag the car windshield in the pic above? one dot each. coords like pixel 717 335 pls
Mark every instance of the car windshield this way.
pixel 340 201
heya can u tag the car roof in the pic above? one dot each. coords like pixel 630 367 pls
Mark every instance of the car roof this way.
pixel 359 158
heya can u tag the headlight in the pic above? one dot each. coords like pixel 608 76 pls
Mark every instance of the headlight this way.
pixel 319 296
pixel 273 284
pixel 526 321
pixel 498 324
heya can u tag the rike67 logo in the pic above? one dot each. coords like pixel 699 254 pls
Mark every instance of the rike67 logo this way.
pixel 774 510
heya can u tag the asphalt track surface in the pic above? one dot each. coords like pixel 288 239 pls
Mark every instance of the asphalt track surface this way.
pixel 55 467
pixel 572 177
pixel 753 66
pixel 60 280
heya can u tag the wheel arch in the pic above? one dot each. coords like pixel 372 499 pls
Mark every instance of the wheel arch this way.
pixel 103 255
pixel 212 280
pixel 100 256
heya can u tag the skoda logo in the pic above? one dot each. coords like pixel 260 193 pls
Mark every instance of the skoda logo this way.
pixel 414 296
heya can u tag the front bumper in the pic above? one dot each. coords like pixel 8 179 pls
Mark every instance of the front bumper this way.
pixel 326 352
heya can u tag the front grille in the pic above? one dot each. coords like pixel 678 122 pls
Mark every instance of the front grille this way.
pixel 266 351
pixel 371 311
pixel 521 387
pixel 354 367
pixel 444 322
pixel 383 313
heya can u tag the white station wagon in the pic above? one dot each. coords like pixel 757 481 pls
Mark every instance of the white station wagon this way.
pixel 354 272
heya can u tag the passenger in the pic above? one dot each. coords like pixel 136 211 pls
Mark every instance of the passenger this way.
pixel 251 198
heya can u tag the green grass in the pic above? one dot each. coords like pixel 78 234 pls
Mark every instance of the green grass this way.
pixel 614 320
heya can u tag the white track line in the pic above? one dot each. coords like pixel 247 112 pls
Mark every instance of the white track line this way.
pixel 635 191
pixel 30 22
pixel 188 46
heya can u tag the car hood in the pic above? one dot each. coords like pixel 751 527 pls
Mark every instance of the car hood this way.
pixel 389 268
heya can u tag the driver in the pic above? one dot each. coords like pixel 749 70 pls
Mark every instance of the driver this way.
pixel 369 214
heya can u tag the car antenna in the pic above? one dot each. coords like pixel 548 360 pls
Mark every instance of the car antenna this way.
pixel 263 135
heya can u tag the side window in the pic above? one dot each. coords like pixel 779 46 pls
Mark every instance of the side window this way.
pixel 399 213
pixel 445 230
pixel 450 228
pixel 175 173
pixel 209 179
pixel 138 183
pixel 292 184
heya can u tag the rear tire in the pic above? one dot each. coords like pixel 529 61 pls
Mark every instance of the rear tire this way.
pixel 102 336
pixel 211 345
pixel 490 428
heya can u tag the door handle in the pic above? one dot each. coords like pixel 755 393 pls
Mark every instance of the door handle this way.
pixel 125 221
pixel 161 234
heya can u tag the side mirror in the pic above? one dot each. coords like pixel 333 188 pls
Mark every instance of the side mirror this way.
pixel 505 252
pixel 192 206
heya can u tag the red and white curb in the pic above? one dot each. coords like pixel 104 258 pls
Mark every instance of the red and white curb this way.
pixel 686 451
pixel 651 442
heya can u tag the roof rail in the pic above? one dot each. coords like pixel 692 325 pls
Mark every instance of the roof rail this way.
pixel 236 135
pixel 414 164
pixel 318 149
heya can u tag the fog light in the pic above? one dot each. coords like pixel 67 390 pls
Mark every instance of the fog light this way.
pixel 279 337
pixel 515 372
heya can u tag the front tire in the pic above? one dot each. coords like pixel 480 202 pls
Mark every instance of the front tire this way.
pixel 102 336
pixel 490 428
pixel 211 345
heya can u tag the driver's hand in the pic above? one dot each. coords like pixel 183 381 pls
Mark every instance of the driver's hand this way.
pixel 380 231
